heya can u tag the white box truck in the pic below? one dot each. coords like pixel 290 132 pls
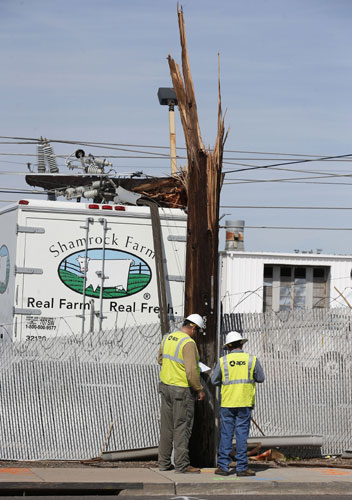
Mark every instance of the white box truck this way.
pixel 68 268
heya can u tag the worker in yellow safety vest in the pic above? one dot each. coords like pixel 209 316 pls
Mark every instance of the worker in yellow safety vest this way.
pixel 179 388
pixel 236 373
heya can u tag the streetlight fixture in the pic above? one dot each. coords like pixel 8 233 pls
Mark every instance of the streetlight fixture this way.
pixel 167 97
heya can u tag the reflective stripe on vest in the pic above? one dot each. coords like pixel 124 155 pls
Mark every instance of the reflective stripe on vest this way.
pixel 176 356
pixel 227 380
pixel 172 369
pixel 237 392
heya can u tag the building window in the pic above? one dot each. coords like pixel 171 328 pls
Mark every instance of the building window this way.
pixel 294 287
pixel 268 288
pixel 319 287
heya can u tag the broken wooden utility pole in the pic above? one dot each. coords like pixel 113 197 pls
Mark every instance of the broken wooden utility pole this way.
pixel 201 287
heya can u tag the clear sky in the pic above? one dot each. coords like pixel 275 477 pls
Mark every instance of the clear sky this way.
pixel 90 70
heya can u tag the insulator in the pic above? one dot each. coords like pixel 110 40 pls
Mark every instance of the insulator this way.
pixel 93 193
pixel 51 196
pixel 51 158
pixel 69 193
pixel 79 153
pixel 92 169
pixel 41 158
pixel 102 162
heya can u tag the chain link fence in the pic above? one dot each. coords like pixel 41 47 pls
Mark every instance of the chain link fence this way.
pixel 70 397
pixel 307 360
pixel 61 397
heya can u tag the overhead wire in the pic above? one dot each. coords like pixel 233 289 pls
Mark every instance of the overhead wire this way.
pixel 227 181
pixel 290 169
pixel 315 157
pixel 294 228
pixel 300 180
pixel 291 182
pixel 285 207
pixel 292 163
pixel 241 181
pixel 92 143
pixel 241 292
pixel 293 178
pixel 119 147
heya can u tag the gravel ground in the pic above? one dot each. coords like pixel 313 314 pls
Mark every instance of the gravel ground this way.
pixel 333 462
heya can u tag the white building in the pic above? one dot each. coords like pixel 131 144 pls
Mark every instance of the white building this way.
pixel 265 281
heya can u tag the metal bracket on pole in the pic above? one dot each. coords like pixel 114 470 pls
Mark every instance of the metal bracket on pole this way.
pixel 171 277
pixel 89 220
pixel 27 311
pixel 101 274
pixel 28 270
pixel 28 229
pixel 92 314
pixel 175 237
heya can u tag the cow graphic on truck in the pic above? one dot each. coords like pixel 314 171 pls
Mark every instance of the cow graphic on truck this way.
pixel 125 273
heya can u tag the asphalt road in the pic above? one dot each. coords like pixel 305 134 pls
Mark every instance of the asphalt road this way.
pixel 183 497
pixel 238 497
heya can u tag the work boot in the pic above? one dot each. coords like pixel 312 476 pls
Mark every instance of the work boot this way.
pixel 188 470
pixel 221 472
pixel 170 467
pixel 245 473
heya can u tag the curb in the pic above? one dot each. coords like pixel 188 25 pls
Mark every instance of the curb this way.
pixel 59 487
pixel 265 488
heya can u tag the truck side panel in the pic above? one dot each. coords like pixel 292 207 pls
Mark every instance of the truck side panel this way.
pixel 8 225
pixel 63 263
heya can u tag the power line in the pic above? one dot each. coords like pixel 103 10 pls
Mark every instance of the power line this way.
pixel 158 157
pixel 290 163
pixel 316 176
pixel 278 158
pixel 20 143
pixel 21 191
pixel 35 140
pixel 244 182
pixel 285 208
pixel 293 178
pixel 320 171
pixel 294 228
pixel 154 156
pixel 272 153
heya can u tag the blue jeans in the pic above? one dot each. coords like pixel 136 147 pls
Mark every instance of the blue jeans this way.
pixel 234 420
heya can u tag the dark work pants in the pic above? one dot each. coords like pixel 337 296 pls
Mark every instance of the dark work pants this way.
pixel 176 422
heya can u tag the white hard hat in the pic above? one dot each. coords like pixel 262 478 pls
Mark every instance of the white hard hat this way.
pixel 196 319
pixel 234 337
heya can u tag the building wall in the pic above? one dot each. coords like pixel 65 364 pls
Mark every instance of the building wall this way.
pixel 242 277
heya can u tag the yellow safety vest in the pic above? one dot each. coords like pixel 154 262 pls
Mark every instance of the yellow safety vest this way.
pixel 238 386
pixel 173 369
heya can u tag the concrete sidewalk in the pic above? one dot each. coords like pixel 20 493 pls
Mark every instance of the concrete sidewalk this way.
pixel 147 481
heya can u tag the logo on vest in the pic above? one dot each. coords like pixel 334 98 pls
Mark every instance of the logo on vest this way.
pixel 171 337
pixel 237 363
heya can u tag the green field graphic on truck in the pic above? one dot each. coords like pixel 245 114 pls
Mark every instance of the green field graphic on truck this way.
pixel 125 273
